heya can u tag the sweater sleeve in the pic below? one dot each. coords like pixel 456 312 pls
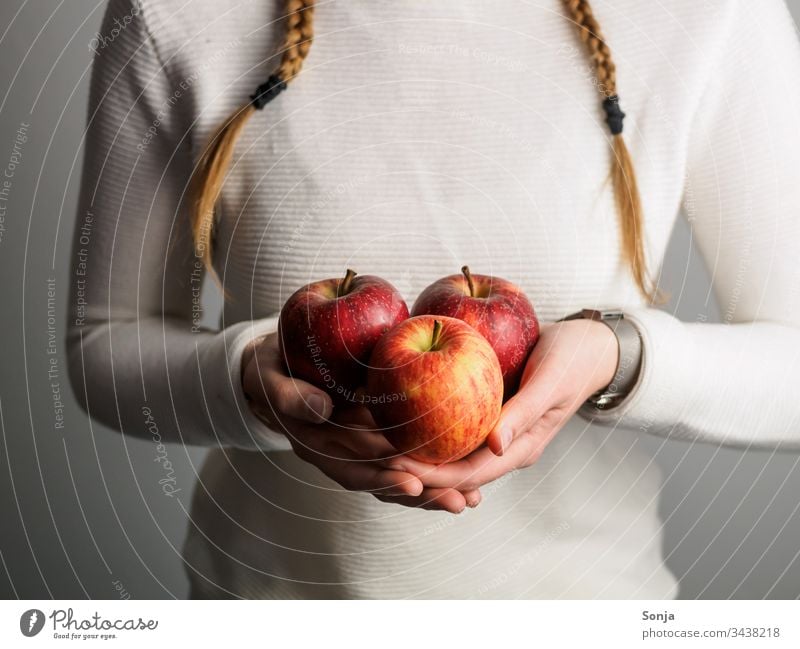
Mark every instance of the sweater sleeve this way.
pixel 736 382
pixel 139 361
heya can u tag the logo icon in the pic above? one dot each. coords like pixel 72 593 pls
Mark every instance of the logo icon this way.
pixel 31 622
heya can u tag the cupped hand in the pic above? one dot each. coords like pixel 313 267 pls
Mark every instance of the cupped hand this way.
pixel 342 442
pixel 571 361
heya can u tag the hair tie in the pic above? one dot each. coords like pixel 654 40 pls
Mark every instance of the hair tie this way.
pixel 267 91
pixel 614 114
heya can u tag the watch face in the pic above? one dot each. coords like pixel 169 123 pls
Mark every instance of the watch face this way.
pixel 597 314
pixel 593 314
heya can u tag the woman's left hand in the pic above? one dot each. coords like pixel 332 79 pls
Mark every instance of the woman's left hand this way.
pixel 571 361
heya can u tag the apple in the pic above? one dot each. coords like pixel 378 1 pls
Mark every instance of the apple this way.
pixel 434 388
pixel 496 308
pixel 327 330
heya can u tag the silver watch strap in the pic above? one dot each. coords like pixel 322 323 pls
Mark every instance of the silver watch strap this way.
pixel 630 355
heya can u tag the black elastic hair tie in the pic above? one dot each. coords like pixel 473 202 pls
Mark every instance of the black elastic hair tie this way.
pixel 614 114
pixel 267 91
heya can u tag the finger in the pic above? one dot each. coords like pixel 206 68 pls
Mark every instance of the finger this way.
pixel 266 384
pixel 449 500
pixel 366 445
pixel 363 444
pixel 360 434
pixel 473 498
pixel 464 474
pixel 519 414
pixel 394 483
pixel 349 470
pixel 294 397
pixel 356 416
pixel 355 476
pixel 478 468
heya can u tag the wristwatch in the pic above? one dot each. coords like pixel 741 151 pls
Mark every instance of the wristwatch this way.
pixel 630 356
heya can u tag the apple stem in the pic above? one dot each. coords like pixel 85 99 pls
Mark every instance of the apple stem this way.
pixel 470 283
pixel 344 285
pixel 437 332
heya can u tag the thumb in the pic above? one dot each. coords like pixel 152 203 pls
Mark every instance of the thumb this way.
pixel 266 384
pixel 292 397
pixel 297 398
pixel 518 415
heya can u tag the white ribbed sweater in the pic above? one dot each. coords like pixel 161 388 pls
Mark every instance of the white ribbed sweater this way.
pixel 419 137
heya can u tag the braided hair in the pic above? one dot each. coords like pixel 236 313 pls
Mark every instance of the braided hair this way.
pixel 209 175
pixel 213 164
pixel 623 177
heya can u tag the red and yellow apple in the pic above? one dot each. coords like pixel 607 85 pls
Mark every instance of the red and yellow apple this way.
pixel 435 388
pixel 328 329
pixel 496 308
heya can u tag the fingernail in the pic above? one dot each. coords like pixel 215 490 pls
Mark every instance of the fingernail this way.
pixel 414 488
pixel 506 435
pixel 473 502
pixel 317 405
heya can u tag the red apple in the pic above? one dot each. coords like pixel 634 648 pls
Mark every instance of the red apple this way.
pixel 434 388
pixel 495 307
pixel 327 330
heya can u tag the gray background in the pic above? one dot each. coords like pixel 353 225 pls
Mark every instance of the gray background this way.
pixel 81 511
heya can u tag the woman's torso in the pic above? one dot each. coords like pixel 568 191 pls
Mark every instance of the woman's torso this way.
pixel 581 523
pixel 419 137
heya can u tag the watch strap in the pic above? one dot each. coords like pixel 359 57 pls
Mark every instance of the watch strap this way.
pixel 630 355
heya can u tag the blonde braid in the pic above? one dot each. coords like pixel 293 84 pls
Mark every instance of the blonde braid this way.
pixel 212 167
pixel 299 34
pixel 623 176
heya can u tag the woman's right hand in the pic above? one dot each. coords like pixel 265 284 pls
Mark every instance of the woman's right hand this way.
pixel 345 444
